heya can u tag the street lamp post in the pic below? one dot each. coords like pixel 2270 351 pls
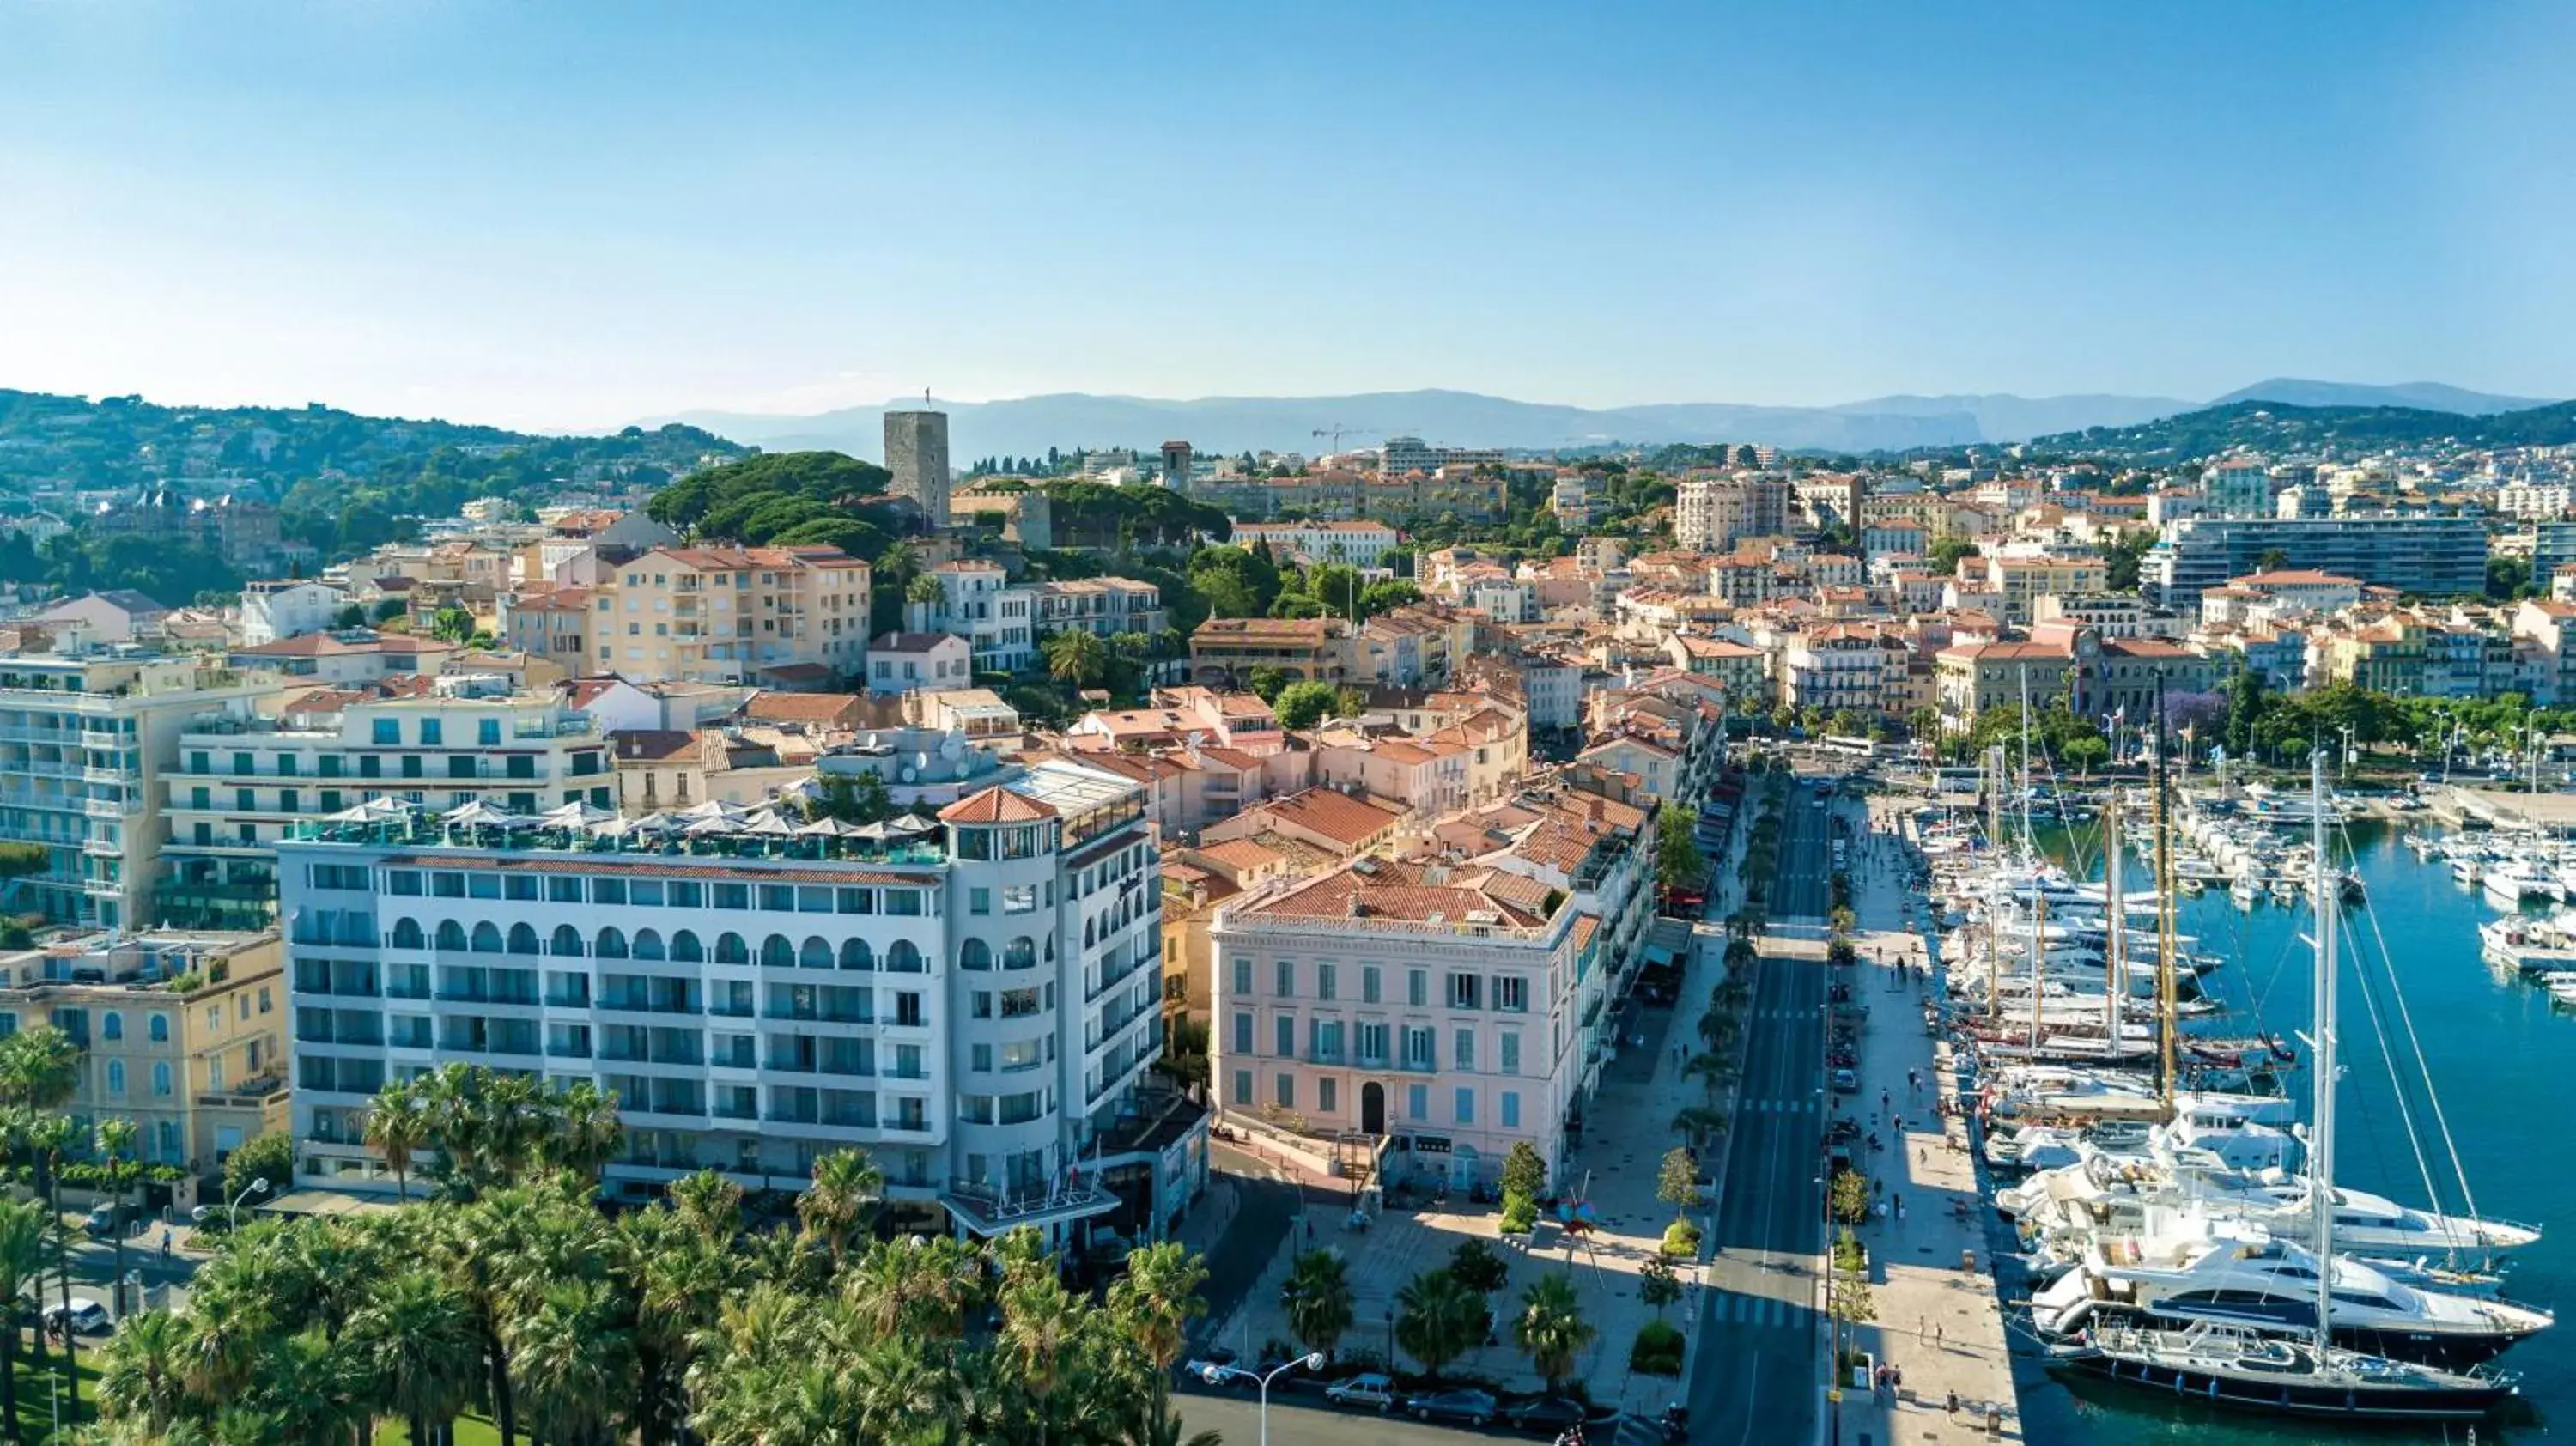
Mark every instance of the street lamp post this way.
pixel 1313 1361
pixel 232 1212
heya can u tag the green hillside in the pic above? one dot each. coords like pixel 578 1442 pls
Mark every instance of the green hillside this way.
pixel 2275 427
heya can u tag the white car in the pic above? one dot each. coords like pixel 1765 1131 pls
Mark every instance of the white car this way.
pixel 88 1317
pixel 1372 1390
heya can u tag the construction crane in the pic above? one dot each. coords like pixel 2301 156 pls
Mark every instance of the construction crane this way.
pixel 1359 495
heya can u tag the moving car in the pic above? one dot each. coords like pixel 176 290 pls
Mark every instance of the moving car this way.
pixel 1216 1368
pixel 1374 1391
pixel 1465 1408
pixel 88 1317
pixel 1552 1416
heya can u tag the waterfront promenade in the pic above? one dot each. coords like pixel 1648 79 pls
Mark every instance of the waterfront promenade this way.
pixel 1939 1324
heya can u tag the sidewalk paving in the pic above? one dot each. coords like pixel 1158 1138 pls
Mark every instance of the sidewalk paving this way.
pixel 1940 1325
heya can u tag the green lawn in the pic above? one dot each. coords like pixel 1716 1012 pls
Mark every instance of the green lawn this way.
pixel 470 1431
pixel 35 1405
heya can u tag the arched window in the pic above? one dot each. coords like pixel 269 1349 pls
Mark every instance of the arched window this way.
pixel 407 934
pixel 1089 937
pixel 611 943
pixel 903 958
pixel 648 944
pixel 815 954
pixel 159 1029
pixel 686 948
pixel 112 1027
pixel 855 955
pixel 487 938
pixel 777 953
pixel 974 954
pixel 731 950
pixel 566 943
pixel 451 935
pixel 1020 954
pixel 523 940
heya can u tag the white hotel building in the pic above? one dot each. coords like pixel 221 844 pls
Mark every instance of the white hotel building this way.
pixel 1449 1008
pixel 977 1008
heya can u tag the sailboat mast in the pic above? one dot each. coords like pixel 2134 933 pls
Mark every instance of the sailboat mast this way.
pixel 2029 841
pixel 2321 1125
pixel 2165 1002
pixel 2115 969
pixel 2038 921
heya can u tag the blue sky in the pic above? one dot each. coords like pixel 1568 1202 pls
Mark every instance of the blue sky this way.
pixel 562 215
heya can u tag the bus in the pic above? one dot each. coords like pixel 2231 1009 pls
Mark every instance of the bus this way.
pixel 1845 747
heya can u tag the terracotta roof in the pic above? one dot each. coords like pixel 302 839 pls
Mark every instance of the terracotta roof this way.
pixel 325 645
pixel 2294 577
pixel 652 745
pixel 582 692
pixel 1241 853
pixel 778 707
pixel 996 805
pixel 1337 816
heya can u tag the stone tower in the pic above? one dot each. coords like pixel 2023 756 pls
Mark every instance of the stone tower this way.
pixel 916 452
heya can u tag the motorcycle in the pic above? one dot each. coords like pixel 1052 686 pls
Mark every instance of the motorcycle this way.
pixel 1676 1423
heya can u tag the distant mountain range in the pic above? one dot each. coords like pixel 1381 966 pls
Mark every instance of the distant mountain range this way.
pixel 1028 426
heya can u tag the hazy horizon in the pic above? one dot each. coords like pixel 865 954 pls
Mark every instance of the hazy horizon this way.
pixel 567 218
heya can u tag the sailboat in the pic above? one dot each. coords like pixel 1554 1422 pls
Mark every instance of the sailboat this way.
pixel 2241 1365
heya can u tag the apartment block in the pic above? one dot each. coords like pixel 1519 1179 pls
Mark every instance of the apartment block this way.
pixel 2430 555
pixel 85 742
pixel 184 1033
pixel 976 1005
pixel 1451 1007
pixel 244 779
pixel 774 616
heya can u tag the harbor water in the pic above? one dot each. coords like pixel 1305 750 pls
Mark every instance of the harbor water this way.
pixel 2502 1059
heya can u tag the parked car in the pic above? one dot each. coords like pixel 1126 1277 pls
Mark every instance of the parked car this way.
pixel 1216 1368
pixel 1465 1408
pixel 1846 1082
pixel 1373 1391
pixel 1549 1416
pixel 87 1316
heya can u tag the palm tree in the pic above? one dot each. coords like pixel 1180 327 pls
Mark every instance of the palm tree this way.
pixel 587 1129
pixel 49 1136
pixel 417 1343
pixel 896 1385
pixel 398 1124
pixel 573 1362
pixel 949 1280
pixel 39 1068
pixel 1700 1122
pixel 308 1392
pixel 1077 657
pixel 1156 1300
pixel 1437 1319
pixel 22 1260
pixel 710 1204
pixel 1551 1328
pixel 116 1139
pixel 143 1369
pixel 924 589
pixel 680 1282
pixel 844 1193
pixel 1040 1319
pixel 1318 1300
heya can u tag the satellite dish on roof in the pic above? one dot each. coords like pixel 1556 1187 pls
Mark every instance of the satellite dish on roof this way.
pixel 921 760
pixel 906 775
pixel 951 747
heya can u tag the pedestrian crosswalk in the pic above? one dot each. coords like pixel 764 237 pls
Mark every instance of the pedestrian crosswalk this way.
pixel 1780 1107
pixel 1786 1014
pixel 1757 1312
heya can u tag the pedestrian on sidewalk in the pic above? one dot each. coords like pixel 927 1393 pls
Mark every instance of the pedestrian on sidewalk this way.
pixel 1936 1337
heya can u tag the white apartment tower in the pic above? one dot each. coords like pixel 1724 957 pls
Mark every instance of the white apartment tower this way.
pixel 976 1005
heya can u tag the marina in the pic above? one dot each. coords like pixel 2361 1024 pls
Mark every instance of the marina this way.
pixel 2146 1145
